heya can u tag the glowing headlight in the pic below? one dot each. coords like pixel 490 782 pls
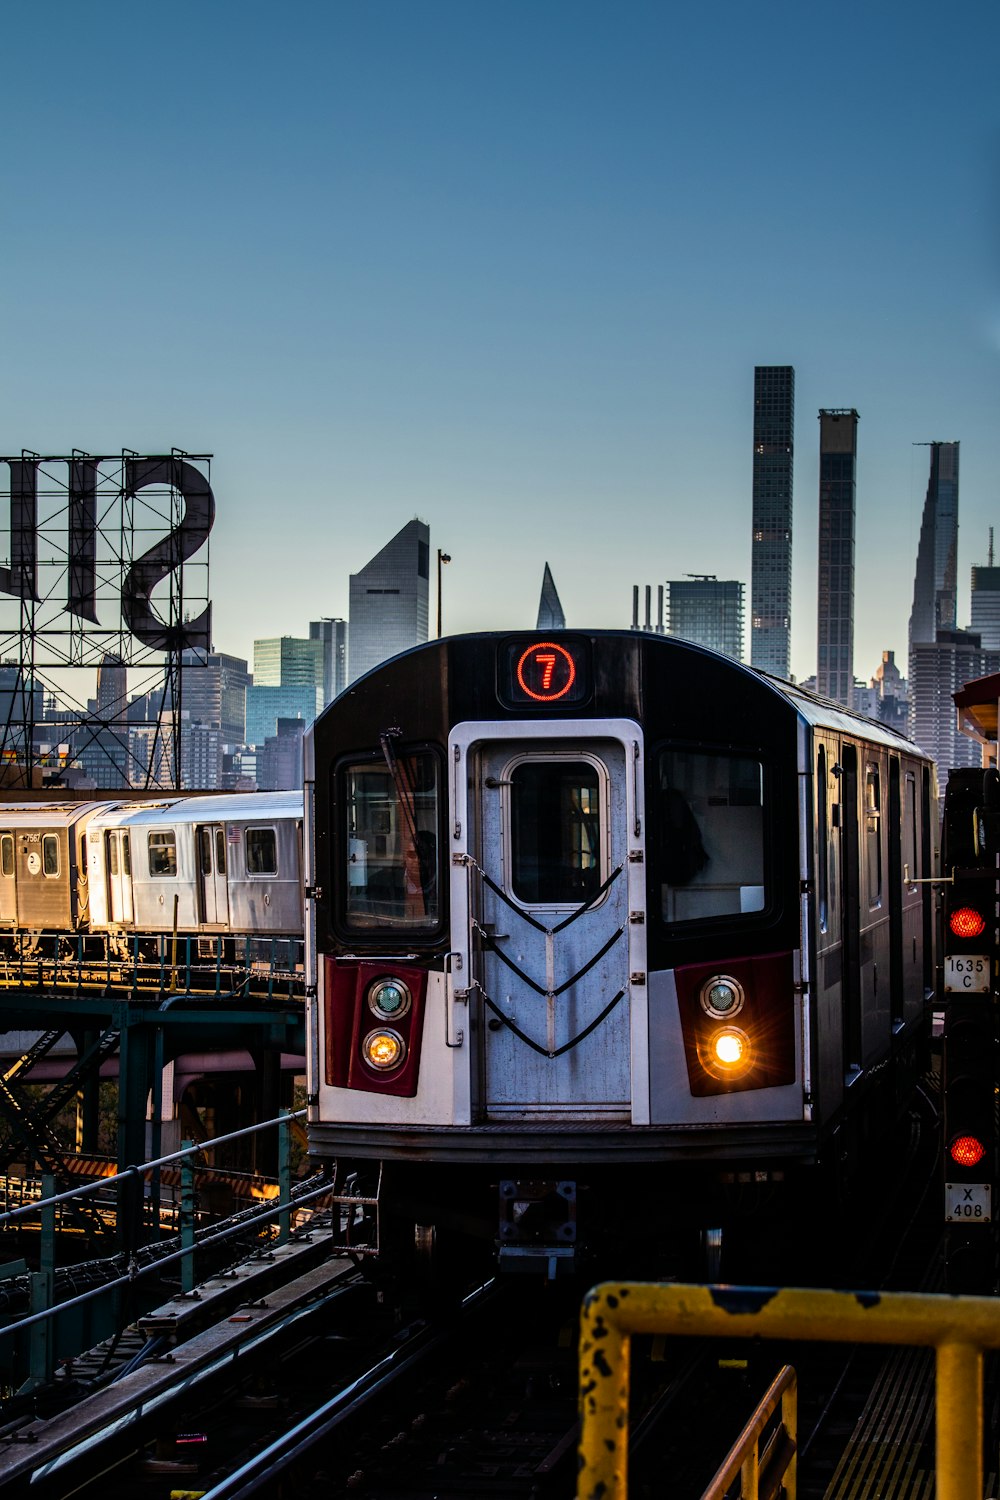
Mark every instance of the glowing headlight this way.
pixel 722 996
pixel 383 1050
pixel 389 998
pixel 731 1048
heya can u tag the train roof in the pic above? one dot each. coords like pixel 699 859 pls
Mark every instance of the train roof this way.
pixel 818 712
pixel 46 814
pixel 246 807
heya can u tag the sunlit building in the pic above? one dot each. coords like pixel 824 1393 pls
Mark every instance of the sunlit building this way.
pixel 389 600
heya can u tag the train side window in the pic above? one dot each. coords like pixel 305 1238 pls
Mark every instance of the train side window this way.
pixel 262 851
pixel 556 856
pixel 7 853
pixel 220 851
pixel 873 834
pixel 711 835
pixel 162 851
pixel 126 856
pixel 823 837
pixel 391 854
pixel 205 850
pixel 50 854
pixel 112 855
pixel 910 841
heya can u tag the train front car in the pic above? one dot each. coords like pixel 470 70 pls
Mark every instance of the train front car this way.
pixel 567 925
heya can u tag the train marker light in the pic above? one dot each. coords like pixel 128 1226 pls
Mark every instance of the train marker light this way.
pixel 966 1151
pixel 966 922
pixel 383 1050
pixel 722 996
pixel 389 998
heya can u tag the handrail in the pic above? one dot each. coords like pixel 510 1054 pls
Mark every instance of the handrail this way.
pixel 131 1173
pixel 958 1328
pixel 771 1472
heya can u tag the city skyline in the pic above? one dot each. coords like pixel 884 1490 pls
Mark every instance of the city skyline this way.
pixel 510 272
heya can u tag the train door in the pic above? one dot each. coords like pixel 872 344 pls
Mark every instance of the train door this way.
pixel 118 858
pixel 553 928
pixel 214 892
pixel 8 884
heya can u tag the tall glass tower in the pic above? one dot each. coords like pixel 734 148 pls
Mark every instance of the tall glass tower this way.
pixel 771 548
pixel 935 582
pixel 838 456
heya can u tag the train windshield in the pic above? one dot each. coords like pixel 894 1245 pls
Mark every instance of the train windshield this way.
pixel 711 826
pixel 392 846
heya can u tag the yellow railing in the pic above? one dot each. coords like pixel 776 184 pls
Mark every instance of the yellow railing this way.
pixel 958 1328
pixel 771 1471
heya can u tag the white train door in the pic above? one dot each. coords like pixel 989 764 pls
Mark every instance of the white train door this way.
pixel 550 927
pixel 118 855
pixel 211 840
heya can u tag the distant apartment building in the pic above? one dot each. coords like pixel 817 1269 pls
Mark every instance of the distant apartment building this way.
pixel 771 545
pixel 213 714
pixel 985 606
pixel 333 635
pixel 103 741
pixel 266 705
pixel 707 610
pixel 280 761
pixel 939 669
pixel 838 452
pixel 389 600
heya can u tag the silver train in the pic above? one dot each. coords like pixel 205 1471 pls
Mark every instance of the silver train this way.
pixel 186 864
pixel 613 938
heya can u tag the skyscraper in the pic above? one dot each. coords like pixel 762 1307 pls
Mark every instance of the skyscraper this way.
pixel 771 548
pixel 290 661
pixel 389 600
pixel 707 610
pixel 550 610
pixel 838 452
pixel 934 613
pixel 333 634
pixel 939 669
pixel 936 578
pixel 985 607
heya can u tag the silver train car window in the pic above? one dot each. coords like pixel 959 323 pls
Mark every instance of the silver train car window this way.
pixel 711 816
pixel 262 851
pixel 392 846
pixel 162 851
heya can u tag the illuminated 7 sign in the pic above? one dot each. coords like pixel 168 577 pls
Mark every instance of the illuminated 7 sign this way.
pixel 142 574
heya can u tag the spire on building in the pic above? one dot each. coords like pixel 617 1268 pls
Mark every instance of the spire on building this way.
pixel 550 610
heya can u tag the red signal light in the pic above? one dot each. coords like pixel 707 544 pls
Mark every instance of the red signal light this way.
pixel 966 922
pixel 966 1151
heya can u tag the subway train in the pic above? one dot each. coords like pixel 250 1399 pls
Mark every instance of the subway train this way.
pixel 614 939
pixel 188 864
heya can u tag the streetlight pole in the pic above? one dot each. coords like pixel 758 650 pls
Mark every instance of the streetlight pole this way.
pixel 443 557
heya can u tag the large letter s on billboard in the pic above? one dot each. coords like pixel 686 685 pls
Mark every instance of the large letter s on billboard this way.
pixel 160 561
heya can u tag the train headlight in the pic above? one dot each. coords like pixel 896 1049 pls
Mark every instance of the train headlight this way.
pixel 389 998
pixel 731 1049
pixel 722 996
pixel 383 1050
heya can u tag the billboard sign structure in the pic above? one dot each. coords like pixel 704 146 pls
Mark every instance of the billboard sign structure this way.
pixel 106 562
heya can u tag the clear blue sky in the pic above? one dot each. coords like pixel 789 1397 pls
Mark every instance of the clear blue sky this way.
pixel 509 267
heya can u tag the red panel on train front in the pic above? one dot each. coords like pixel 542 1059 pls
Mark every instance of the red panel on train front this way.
pixel 349 1019
pixel 766 1019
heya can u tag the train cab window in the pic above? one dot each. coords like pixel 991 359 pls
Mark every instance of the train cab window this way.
pixel 262 851
pixel 392 851
pixel 7 854
pixel 711 835
pixel 556 846
pixel 50 854
pixel 873 834
pixel 162 851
